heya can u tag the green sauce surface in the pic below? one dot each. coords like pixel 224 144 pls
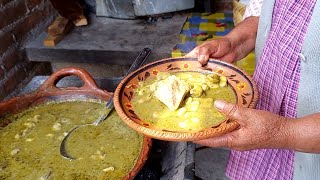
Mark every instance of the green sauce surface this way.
pixel 29 147
pixel 194 113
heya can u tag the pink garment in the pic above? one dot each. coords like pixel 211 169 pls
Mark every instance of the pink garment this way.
pixel 277 75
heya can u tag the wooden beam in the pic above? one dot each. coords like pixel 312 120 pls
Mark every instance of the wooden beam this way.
pixel 57 30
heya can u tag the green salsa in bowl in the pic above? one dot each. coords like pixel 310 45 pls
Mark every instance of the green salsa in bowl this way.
pixel 145 108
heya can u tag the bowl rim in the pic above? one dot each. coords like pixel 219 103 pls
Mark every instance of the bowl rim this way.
pixel 224 127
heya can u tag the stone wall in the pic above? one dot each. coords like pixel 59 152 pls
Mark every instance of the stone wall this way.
pixel 20 22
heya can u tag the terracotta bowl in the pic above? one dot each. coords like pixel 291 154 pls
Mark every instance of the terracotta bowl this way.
pixel 48 92
pixel 242 84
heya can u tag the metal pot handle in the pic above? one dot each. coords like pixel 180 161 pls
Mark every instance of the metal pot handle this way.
pixel 51 82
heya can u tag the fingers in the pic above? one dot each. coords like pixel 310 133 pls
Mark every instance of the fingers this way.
pixel 232 111
pixel 206 51
pixel 202 53
pixel 220 141
pixel 230 140
pixel 202 58
pixel 218 48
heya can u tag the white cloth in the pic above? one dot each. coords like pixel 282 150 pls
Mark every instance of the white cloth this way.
pixel 253 8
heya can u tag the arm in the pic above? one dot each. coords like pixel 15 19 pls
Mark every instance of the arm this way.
pixel 243 37
pixel 261 129
pixel 232 47
pixel 303 134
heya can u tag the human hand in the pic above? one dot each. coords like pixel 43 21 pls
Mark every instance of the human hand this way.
pixel 258 129
pixel 217 48
pixel 237 44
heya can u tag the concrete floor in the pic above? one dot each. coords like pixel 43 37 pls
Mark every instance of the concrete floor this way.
pixel 210 163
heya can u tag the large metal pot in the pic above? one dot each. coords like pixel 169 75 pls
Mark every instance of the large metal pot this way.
pixel 50 92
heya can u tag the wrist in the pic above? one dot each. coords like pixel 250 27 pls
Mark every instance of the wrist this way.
pixel 243 37
pixel 284 136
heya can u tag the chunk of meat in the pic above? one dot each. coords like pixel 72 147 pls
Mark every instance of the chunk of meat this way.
pixel 171 91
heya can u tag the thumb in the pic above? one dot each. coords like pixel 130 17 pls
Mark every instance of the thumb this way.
pixel 205 52
pixel 232 111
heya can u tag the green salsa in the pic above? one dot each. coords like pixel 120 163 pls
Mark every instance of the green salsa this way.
pixel 29 147
pixel 196 110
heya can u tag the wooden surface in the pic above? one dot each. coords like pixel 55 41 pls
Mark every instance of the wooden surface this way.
pixel 110 41
pixel 57 30
pixel 81 21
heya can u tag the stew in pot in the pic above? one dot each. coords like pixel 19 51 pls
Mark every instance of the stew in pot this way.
pixel 30 143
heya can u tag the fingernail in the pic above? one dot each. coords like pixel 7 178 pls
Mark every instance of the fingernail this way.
pixel 202 58
pixel 219 104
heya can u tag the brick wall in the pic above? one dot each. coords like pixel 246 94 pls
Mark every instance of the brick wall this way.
pixel 20 22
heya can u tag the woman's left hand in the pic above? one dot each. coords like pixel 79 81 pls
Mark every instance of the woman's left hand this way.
pixel 258 129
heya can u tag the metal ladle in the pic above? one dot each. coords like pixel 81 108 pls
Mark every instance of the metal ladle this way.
pixel 135 65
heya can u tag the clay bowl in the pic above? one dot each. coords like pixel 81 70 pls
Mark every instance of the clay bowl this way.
pixel 48 91
pixel 242 84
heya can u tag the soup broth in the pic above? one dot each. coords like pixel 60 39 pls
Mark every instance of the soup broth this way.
pixel 195 112
pixel 29 147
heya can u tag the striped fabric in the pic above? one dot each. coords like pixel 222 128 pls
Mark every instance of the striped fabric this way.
pixel 253 8
pixel 277 75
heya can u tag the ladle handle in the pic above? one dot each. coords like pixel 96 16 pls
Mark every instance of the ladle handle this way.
pixel 135 65
pixel 139 60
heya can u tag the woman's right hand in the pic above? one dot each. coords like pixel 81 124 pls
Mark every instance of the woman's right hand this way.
pixel 218 49
pixel 232 47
